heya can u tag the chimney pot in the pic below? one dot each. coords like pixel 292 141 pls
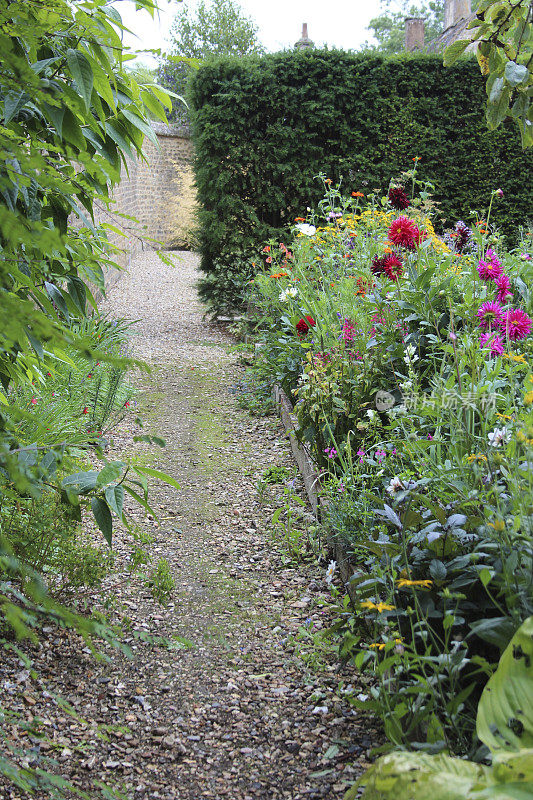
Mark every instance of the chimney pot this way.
pixel 414 33
pixel 305 42
pixel 455 10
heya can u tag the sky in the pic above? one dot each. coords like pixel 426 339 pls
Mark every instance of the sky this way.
pixel 341 24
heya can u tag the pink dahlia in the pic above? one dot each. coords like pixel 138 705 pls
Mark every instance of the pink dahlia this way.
pixel 504 288
pixel 516 324
pixel 490 315
pixel 378 265
pixel 492 341
pixel 404 233
pixel 393 266
pixel 490 269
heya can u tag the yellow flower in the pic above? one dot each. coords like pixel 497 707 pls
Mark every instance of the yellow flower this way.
pixel 476 457
pixel 513 357
pixel 528 398
pixel 404 582
pixel 499 525
pixel 377 606
pixel 377 645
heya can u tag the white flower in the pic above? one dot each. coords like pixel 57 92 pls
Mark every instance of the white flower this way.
pixel 410 357
pixel 332 566
pixel 405 385
pixel 292 291
pixel 398 411
pixel 371 414
pixel 395 485
pixel 499 436
pixel 304 227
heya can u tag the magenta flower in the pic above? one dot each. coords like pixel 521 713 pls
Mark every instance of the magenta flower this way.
pixel 491 268
pixel 492 341
pixel 349 332
pixel 516 324
pixel 490 315
pixel 504 287
pixel 380 455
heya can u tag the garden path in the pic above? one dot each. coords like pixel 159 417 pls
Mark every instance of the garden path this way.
pixel 250 711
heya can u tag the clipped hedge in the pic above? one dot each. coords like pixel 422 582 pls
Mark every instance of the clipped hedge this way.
pixel 264 127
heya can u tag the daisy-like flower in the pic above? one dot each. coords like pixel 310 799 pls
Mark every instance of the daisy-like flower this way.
pixel 516 324
pixel 393 266
pixel 403 582
pixel 306 229
pixel 487 340
pixel 330 572
pixel 490 315
pixel 504 288
pixel 499 436
pixel 490 269
pixel 286 294
pixel 377 606
pixel 397 197
pixel 404 233
pixel 371 414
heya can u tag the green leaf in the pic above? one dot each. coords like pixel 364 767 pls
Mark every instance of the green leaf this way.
pixel 82 73
pixel 516 73
pixel 110 472
pixel 103 517
pixel 155 473
pixel 497 631
pixel 398 776
pixel 452 53
pixel 142 502
pixel 72 130
pixel 115 499
pixel 505 711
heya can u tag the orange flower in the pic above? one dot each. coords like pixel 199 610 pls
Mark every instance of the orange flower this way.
pixel 357 194
pixel 416 158
pixel 279 275
pixel 328 180
pixel 299 219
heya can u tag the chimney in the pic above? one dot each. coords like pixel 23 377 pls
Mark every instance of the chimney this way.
pixel 414 34
pixel 454 10
pixel 305 42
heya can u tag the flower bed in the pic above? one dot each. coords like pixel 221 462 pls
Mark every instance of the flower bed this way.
pixel 407 358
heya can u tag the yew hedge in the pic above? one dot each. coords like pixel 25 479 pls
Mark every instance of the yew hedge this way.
pixel 264 127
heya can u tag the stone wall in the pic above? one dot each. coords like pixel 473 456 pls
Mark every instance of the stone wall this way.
pixel 154 204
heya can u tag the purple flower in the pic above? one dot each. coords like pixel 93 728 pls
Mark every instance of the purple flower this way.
pixel 380 455
pixel 504 287
pixel 494 342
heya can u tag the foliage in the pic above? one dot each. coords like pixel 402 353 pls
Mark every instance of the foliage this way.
pixel 210 29
pixel 388 28
pixel 509 698
pixel 416 406
pixel 161 582
pixel 265 128
pixel 504 34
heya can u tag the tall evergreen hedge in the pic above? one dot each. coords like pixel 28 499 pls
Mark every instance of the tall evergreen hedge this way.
pixel 264 127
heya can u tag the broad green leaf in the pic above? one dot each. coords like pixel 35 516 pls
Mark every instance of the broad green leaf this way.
pixel 452 53
pixel 110 472
pixel 103 517
pixel 115 499
pixel 82 73
pixel 497 631
pixel 516 73
pixel 505 711
pixel 416 776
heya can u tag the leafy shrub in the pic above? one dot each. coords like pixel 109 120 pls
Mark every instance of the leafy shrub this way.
pixel 161 582
pixel 265 127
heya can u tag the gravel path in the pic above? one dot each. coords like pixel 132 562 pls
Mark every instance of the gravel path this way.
pixel 249 711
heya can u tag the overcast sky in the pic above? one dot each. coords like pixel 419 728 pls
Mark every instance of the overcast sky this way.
pixel 340 23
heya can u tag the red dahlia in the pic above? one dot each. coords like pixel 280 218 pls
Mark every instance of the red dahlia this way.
pixel 393 266
pixel 378 265
pixel 404 233
pixel 398 198
pixel 303 325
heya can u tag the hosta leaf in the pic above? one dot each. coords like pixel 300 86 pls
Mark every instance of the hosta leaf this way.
pixel 505 711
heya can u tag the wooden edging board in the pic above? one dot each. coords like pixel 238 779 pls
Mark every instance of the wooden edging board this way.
pixel 311 479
